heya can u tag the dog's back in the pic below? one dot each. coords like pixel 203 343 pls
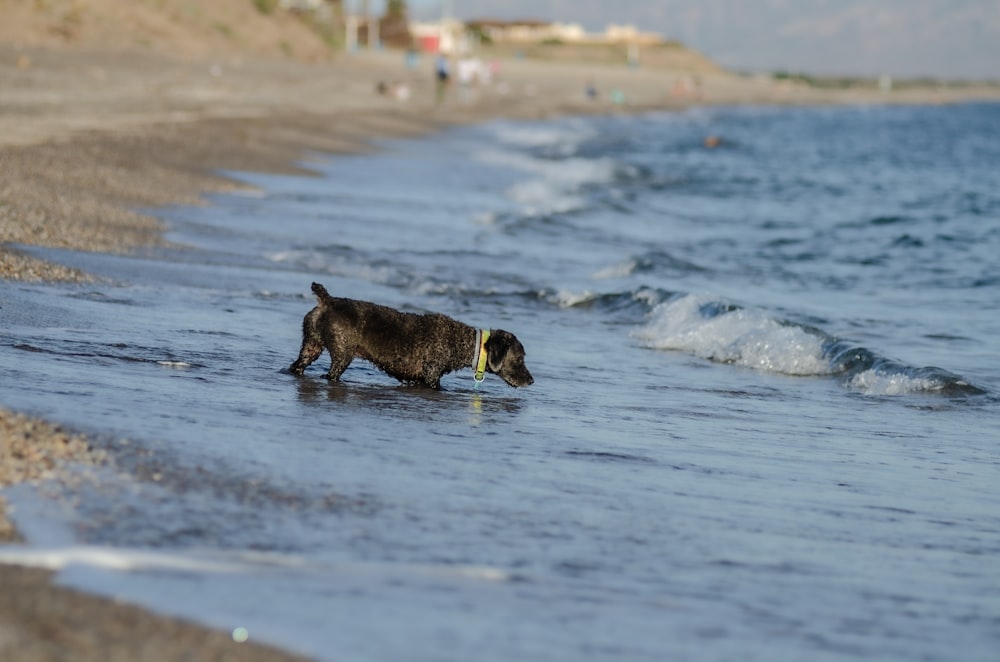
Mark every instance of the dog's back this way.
pixel 397 327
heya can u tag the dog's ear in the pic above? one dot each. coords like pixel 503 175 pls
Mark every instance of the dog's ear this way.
pixel 497 346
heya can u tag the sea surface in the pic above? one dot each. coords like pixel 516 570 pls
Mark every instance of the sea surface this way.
pixel 765 423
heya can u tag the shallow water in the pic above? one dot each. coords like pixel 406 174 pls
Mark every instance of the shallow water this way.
pixel 764 423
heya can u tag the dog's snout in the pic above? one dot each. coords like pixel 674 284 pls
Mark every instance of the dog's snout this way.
pixel 524 378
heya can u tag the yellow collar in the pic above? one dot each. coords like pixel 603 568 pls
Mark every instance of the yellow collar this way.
pixel 482 335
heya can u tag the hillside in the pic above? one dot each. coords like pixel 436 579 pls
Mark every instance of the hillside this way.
pixel 237 27
pixel 178 27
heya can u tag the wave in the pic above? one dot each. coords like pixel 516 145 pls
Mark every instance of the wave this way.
pixel 705 327
pixel 209 561
pixel 753 338
pixel 865 371
pixel 553 177
pixel 563 137
pixel 552 186
pixel 640 300
pixel 651 262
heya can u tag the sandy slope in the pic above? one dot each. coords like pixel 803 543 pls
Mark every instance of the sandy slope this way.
pixel 178 27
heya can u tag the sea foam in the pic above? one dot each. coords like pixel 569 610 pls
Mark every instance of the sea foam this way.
pixel 747 337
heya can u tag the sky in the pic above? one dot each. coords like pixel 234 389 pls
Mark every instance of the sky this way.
pixel 905 38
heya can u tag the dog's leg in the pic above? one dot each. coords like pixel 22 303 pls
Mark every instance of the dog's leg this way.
pixel 310 352
pixel 340 358
pixel 312 344
pixel 432 377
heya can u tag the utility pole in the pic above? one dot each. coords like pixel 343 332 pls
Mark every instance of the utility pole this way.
pixel 446 16
pixel 363 15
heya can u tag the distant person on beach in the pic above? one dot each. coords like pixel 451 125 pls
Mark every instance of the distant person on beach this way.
pixel 442 73
pixel 397 90
pixel 468 71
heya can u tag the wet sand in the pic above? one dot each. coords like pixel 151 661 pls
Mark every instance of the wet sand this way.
pixel 88 139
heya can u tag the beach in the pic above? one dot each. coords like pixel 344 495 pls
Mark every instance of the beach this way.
pixel 89 138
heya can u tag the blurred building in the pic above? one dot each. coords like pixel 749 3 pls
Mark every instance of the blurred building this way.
pixel 534 32
pixel 448 36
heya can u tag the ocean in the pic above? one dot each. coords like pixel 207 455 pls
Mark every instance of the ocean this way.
pixel 765 423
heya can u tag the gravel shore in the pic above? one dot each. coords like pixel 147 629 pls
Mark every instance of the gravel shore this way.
pixel 42 622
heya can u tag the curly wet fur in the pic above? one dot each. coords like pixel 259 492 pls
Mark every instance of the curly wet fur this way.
pixel 408 346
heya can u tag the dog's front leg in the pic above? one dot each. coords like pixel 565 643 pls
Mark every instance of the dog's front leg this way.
pixel 432 377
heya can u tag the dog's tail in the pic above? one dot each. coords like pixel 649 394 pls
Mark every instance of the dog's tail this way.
pixel 321 294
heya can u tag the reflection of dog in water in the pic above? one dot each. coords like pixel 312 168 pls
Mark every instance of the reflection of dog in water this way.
pixel 407 346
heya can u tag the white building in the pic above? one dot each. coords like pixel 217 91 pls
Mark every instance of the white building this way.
pixel 534 32
pixel 448 36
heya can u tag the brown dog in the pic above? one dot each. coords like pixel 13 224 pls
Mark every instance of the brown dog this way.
pixel 407 346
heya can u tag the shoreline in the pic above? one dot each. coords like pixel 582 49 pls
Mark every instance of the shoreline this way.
pixel 89 138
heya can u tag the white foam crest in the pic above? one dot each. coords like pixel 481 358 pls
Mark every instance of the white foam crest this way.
pixel 522 135
pixel 179 365
pixel 620 270
pixel 568 171
pixel 743 337
pixel 309 259
pixel 648 296
pixel 556 186
pixel 134 559
pixel 553 185
pixel 871 382
pixel 226 562
pixel 567 299
pixel 538 197
pixel 318 262
pixel 576 172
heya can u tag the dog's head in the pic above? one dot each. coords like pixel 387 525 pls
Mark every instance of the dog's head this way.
pixel 505 358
